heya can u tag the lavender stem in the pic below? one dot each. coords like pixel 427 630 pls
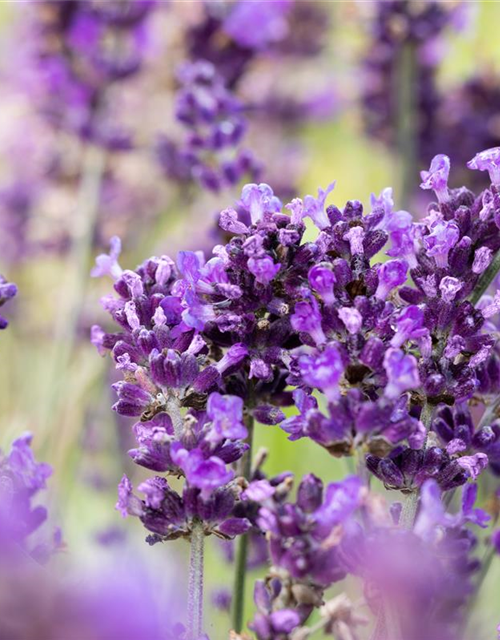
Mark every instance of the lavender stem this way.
pixel 410 505
pixel 242 548
pixel 195 588
pixel 379 633
pixel 174 411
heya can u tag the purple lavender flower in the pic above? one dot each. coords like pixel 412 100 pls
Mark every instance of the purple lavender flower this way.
pixel 488 160
pixel 297 531
pixel 390 275
pixel 314 208
pixel 307 319
pixel 409 326
pixel 402 372
pixel 322 280
pixel 226 414
pixel 442 238
pixel 323 370
pixel 437 177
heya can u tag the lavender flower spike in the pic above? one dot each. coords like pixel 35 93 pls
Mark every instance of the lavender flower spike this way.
pixel 488 160
pixel 437 177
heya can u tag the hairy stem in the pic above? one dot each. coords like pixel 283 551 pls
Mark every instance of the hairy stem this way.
pixel 380 633
pixel 410 505
pixel 406 118
pixel 195 588
pixel 485 280
pixel 361 469
pixel 174 411
pixel 242 545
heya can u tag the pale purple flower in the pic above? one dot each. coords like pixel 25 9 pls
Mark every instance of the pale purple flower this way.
pixel 488 160
pixel 263 268
pixel 258 491
pixel 351 318
pixel 355 237
pixel 384 201
pixel 107 264
pixel 482 260
pixel 314 208
pixel 493 307
pixel 437 177
pixel 443 237
pixel 204 473
pixel 449 288
pixel 473 465
pixel 259 200
pixel 97 335
pixel 409 326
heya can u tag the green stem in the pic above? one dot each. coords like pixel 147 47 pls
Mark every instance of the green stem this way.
pixel 406 138
pixel 242 545
pixel 70 306
pixel 410 505
pixel 485 280
pixel 195 587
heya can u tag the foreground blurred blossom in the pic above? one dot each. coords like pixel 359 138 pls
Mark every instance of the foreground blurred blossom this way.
pixel 118 601
pixel 21 478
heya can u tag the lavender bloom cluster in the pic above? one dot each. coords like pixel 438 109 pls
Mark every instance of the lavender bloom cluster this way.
pixel 273 320
pixel 419 27
pixel 78 49
pixel 222 48
pixel 457 119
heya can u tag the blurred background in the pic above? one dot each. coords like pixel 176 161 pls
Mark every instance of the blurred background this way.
pixel 143 120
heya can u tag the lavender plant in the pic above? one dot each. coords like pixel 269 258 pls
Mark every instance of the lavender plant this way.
pixel 404 104
pixel 212 103
pixel 384 360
